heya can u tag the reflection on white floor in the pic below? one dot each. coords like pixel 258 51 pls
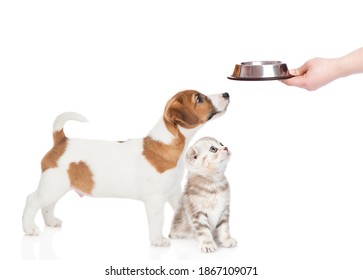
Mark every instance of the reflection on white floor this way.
pixel 188 249
pixel 40 247
pixel 44 247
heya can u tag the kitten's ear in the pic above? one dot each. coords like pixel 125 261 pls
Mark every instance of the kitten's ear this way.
pixel 192 154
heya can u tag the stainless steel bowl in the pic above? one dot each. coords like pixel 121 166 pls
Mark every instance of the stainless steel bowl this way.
pixel 260 71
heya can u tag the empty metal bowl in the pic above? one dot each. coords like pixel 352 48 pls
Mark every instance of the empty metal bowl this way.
pixel 260 71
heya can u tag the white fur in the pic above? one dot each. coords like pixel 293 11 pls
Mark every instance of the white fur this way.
pixel 161 133
pixel 68 116
pixel 119 170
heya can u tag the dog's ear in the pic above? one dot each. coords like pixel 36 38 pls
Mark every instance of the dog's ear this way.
pixel 176 113
pixel 183 116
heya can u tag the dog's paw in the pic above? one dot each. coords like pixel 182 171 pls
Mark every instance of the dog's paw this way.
pixel 208 247
pixel 161 242
pixel 229 242
pixel 32 230
pixel 55 222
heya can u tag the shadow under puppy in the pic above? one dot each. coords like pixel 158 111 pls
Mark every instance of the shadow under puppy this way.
pixel 204 207
pixel 149 169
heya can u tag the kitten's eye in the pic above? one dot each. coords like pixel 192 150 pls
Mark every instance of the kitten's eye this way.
pixel 198 98
pixel 213 149
pixel 221 144
pixel 195 157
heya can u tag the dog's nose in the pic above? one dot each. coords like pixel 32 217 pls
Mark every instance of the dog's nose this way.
pixel 225 95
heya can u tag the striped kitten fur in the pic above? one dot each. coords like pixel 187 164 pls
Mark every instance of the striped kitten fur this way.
pixel 204 208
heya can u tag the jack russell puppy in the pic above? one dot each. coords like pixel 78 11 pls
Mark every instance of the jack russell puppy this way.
pixel 149 169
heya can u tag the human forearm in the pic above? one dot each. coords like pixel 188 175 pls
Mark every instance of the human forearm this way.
pixel 318 72
pixel 351 63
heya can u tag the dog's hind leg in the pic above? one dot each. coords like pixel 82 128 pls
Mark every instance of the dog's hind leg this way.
pixel 49 218
pixel 30 210
pixel 53 185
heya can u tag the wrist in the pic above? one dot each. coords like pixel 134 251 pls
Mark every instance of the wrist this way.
pixel 341 66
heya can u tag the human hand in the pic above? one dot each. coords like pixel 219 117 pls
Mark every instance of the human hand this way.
pixel 314 73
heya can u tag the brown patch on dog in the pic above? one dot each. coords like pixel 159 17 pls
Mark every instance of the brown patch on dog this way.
pixel 81 177
pixel 50 160
pixel 163 156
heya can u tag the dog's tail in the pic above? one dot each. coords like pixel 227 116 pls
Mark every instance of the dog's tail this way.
pixel 58 133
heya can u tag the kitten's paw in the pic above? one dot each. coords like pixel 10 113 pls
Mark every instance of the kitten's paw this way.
pixel 178 235
pixel 160 242
pixel 229 242
pixel 208 247
pixel 31 230
pixel 55 222
pixel 174 235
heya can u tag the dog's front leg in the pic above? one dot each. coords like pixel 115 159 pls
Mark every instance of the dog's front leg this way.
pixel 155 215
pixel 174 198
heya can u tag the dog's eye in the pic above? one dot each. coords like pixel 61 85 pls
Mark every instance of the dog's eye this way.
pixel 198 98
pixel 221 144
pixel 213 149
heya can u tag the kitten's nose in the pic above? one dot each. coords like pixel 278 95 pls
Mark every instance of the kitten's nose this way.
pixel 226 149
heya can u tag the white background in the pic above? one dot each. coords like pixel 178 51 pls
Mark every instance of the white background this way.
pixel 296 172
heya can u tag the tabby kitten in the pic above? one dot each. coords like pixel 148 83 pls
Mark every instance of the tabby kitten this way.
pixel 204 208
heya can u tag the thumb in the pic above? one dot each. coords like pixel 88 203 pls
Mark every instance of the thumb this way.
pixel 298 78
pixel 299 71
pixel 294 72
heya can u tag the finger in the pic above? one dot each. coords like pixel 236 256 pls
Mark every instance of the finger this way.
pixel 299 71
pixel 295 81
